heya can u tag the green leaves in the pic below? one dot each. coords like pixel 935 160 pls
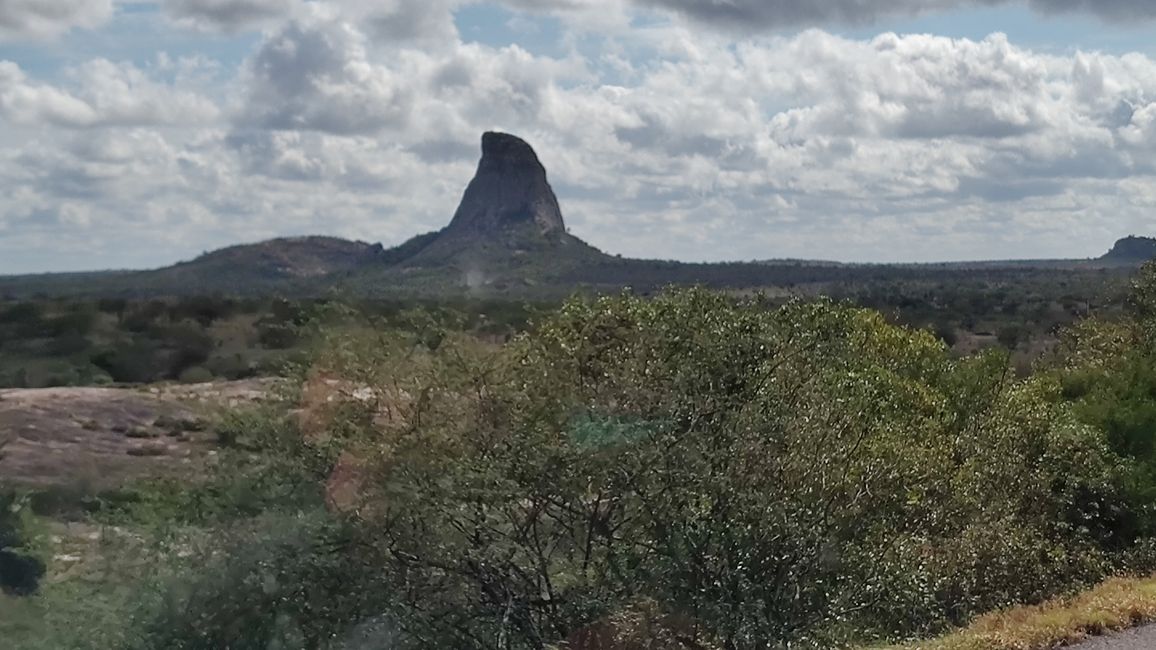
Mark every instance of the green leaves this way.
pixel 718 472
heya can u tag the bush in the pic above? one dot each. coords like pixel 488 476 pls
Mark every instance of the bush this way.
pixel 1108 375
pixel 232 366
pixel 691 468
pixel 133 362
pixel 769 476
pixel 195 375
pixel 190 345
pixel 277 336
pixel 20 571
pixel 284 582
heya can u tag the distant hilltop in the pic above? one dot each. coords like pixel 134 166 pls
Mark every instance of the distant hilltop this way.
pixel 1132 249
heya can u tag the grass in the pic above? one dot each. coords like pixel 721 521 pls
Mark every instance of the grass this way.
pixel 1116 604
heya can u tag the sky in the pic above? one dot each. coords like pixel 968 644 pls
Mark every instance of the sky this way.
pixel 136 133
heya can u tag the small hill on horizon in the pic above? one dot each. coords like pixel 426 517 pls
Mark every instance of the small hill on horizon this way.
pixel 287 257
pixel 1132 249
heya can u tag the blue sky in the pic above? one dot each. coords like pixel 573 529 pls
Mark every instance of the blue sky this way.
pixel 136 134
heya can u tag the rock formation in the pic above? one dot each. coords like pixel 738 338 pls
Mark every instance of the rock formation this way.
pixel 508 218
pixel 1133 249
pixel 509 190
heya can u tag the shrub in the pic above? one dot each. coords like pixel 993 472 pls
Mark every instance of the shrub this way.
pixel 283 582
pixel 20 571
pixel 189 345
pixel 233 366
pixel 133 362
pixel 195 375
pixel 723 473
pixel 770 476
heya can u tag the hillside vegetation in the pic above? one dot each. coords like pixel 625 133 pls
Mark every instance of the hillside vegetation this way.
pixel 691 470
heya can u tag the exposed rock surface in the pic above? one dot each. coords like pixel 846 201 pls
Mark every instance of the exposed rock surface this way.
pixel 508 219
pixel 104 437
pixel 1141 638
pixel 509 189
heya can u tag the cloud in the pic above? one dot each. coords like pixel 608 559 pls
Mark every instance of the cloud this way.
pixel 23 102
pixel 315 74
pixel 38 19
pixel 691 145
pixel 394 22
pixel 750 15
pixel 227 15
pixel 1114 10
pixel 101 93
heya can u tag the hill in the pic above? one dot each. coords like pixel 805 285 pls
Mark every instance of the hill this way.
pixel 1132 249
pixel 269 265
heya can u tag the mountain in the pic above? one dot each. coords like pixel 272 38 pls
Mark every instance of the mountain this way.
pixel 1132 249
pixel 507 233
pixel 507 215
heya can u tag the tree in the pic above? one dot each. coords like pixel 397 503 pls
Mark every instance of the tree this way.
pixel 761 476
pixel 20 571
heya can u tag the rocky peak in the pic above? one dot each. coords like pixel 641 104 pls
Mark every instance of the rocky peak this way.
pixel 508 190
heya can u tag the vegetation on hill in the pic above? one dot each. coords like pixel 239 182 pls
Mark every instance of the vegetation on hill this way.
pixel 87 341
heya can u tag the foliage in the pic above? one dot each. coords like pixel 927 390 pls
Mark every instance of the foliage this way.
pixel 693 469
pixel 289 582
pixel 1116 604
pixel 20 570
pixel 1108 377
pixel 766 476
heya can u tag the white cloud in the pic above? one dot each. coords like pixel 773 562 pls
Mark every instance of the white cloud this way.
pixel 100 93
pixel 38 19
pixel 429 23
pixel 24 102
pixel 315 74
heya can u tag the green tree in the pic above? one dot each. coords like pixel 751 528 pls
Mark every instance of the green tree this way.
pixel 761 475
pixel 20 570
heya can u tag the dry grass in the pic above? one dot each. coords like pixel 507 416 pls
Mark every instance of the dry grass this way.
pixel 1116 604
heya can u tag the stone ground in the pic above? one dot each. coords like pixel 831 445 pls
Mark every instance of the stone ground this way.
pixel 1141 638
pixel 101 437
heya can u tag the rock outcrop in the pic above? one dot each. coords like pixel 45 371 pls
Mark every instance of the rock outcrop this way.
pixel 509 190
pixel 1132 249
pixel 507 225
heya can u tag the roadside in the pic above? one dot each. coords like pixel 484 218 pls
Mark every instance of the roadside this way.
pixel 1117 604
